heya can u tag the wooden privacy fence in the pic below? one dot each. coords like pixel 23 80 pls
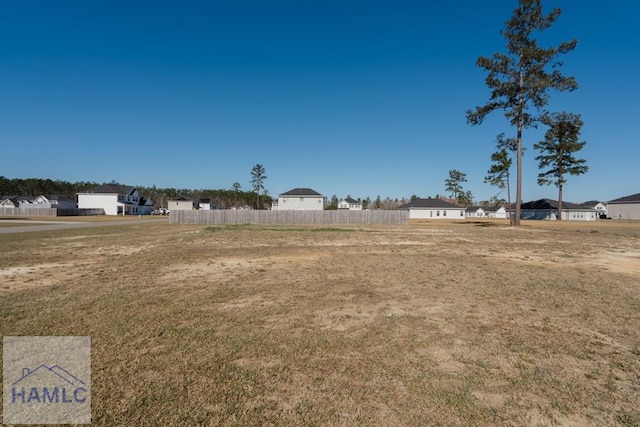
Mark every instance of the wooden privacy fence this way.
pixel 289 217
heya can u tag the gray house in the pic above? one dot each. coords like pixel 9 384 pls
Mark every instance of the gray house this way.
pixel 548 209
pixel 625 207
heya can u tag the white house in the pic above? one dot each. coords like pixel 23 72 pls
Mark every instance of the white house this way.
pixel 182 204
pixel 475 212
pixel 548 209
pixel 495 212
pixel 600 207
pixel 49 202
pixel 9 202
pixel 115 199
pixel 625 207
pixel 433 209
pixel 299 199
pixel 349 204
pixel 205 204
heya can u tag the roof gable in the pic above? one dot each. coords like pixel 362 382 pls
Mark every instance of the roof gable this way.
pixel 350 200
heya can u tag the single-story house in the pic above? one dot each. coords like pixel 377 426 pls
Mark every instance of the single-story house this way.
pixel 299 199
pixel 547 209
pixel 495 212
pixel 475 212
pixel 349 204
pixel 182 204
pixel 486 212
pixel 115 199
pixel 433 209
pixel 627 207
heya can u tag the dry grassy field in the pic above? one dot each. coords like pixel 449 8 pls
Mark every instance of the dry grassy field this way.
pixel 472 323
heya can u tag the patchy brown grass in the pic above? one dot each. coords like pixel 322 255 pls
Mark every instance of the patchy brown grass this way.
pixel 428 324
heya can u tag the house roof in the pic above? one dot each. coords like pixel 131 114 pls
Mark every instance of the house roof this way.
pixel 181 199
pixel 350 200
pixel 634 198
pixel 112 188
pixel 5 200
pixel 545 204
pixel 301 192
pixel 54 197
pixel 429 203
pixel 475 208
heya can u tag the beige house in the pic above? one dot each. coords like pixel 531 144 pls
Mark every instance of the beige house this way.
pixel 182 204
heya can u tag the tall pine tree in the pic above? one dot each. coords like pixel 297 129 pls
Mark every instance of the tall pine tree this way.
pixel 521 78
pixel 557 150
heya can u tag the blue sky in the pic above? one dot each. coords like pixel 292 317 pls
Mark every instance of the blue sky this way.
pixel 348 98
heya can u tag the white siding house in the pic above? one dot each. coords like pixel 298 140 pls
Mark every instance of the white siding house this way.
pixel 625 207
pixel 49 202
pixel 349 204
pixel 115 199
pixel 433 209
pixel 205 205
pixel 475 212
pixel 600 207
pixel 9 202
pixel 299 199
pixel 495 212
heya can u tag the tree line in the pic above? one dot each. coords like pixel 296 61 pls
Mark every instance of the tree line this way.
pixel 225 199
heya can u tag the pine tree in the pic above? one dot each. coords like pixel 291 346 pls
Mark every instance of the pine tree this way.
pixel 520 80
pixel 557 150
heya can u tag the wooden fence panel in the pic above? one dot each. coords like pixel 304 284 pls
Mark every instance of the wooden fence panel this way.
pixel 38 212
pixel 290 217
pixel 41 212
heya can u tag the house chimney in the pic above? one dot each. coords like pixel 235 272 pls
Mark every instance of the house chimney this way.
pixel 25 372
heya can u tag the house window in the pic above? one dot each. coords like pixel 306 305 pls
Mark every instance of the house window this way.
pixel 437 213
pixel 444 213
pixel 431 214
pixel 461 213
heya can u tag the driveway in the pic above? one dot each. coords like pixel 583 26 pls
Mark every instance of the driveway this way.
pixel 66 225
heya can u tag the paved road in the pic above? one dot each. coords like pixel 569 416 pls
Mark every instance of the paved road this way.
pixel 64 225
